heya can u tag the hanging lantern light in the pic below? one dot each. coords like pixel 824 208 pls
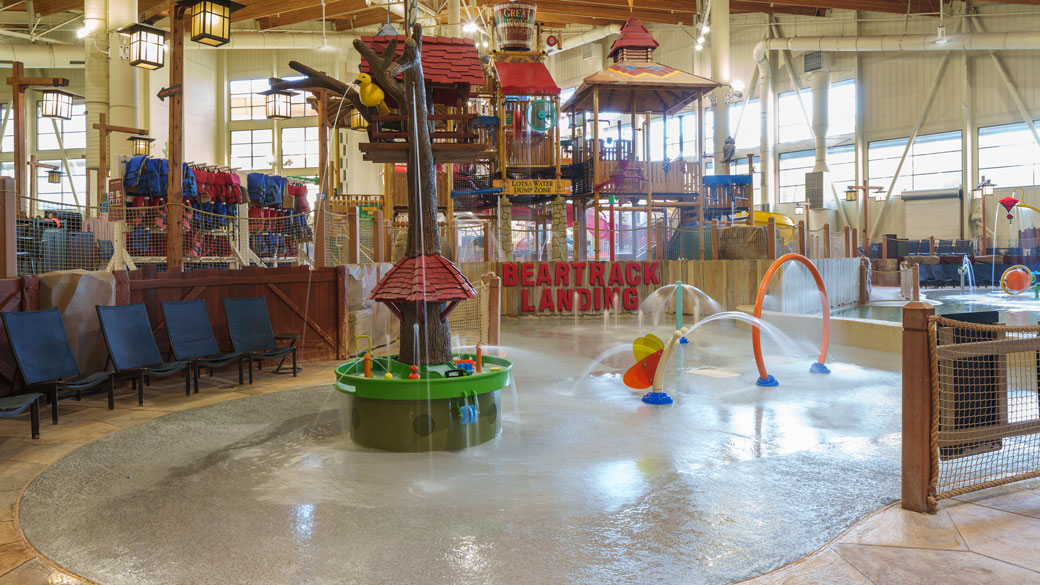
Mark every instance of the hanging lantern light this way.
pixel 800 210
pixel 142 145
pixel 54 176
pixel 1009 203
pixel 279 104
pixel 357 121
pixel 56 104
pixel 851 194
pixel 211 20
pixel 147 46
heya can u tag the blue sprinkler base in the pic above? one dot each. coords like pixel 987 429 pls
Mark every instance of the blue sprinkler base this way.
pixel 683 340
pixel 818 368
pixel 657 398
pixel 768 381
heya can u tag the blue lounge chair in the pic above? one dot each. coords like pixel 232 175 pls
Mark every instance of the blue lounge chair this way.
pixel 192 339
pixel 11 406
pixel 44 357
pixel 251 332
pixel 132 348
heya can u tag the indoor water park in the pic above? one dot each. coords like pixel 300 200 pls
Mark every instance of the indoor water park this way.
pixel 519 292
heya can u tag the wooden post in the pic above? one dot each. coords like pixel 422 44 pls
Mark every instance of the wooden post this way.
pixel 174 190
pixel 884 247
pixel 714 239
pixel 916 275
pixel 848 242
pixel 353 236
pixel 931 245
pixel 801 237
pixel 827 240
pixel 320 241
pixel 771 238
pixel 595 173
pixel 18 97
pixel 378 237
pixel 8 228
pixel 494 306
pixel 662 241
pixel 917 407
pixel 343 313
pixel 487 242
pixel 864 296
pixel 855 246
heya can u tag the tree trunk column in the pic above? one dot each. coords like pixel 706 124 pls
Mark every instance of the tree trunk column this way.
pixel 505 228
pixel 559 229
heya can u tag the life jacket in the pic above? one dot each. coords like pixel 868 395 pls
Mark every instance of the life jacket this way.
pixel 234 188
pixel 132 174
pixel 189 187
pixel 150 183
pixel 274 191
pixel 255 184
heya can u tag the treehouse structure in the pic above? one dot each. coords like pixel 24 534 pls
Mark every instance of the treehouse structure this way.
pixel 619 177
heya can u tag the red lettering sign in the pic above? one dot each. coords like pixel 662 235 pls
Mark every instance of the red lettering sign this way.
pixel 545 274
pixel 509 274
pixel 527 274
pixel 563 274
pixel 596 270
pixel 631 273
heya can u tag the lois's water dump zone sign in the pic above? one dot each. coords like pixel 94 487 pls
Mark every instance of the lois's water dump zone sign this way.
pixel 549 287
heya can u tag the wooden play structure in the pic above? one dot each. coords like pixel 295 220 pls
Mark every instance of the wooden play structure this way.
pixel 620 176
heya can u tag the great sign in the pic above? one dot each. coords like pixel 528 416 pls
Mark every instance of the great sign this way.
pixel 554 286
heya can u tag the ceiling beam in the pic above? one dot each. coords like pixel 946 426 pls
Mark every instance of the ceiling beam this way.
pixel 371 17
pixel 750 6
pixel 332 9
pixel 49 7
pixel 262 8
pixel 885 6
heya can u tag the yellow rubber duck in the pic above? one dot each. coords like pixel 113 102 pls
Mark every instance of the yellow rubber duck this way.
pixel 371 94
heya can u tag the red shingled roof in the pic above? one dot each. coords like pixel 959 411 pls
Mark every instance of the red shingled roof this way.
pixel 431 278
pixel 633 35
pixel 444 59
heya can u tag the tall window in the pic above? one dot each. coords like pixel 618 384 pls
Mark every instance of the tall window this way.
pixel 252 149
pixel 1009 156
pixel 73 132
pixel 842 162
pixel 748 135
pixel 7 145
pixel 793 166
pixel 299 148
pixel 248 104
pixel 841 113
pixel 62 192
pixel 934 162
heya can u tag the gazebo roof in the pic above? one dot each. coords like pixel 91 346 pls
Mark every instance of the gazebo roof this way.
pixel 648 86
pixel 429 278
pixel 634 35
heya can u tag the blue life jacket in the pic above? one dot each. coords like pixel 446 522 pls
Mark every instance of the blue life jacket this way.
pixel 132 174
pixel 189 188
pixel 152 182
pixel 274 190
pixel 255 183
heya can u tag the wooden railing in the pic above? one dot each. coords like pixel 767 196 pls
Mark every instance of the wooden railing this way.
pixel 450 127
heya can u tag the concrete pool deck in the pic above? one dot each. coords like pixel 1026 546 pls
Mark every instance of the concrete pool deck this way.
pixel 931 548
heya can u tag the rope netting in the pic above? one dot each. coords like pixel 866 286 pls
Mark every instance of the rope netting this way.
pixel 68 237
pixel 985 413
pixel 470 320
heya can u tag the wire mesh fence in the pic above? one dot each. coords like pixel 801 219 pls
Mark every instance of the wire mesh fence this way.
pixel 469 322
pixel 985 412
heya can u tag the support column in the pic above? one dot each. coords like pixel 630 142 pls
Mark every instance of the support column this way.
pixel 767 100
pixel 720 72
pixel 917 407
pixel 95 19
pixel 122 88
pixel 821 84
pixel 559 229
pixel 505 228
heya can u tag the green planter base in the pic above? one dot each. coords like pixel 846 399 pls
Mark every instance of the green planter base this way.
pixel 433 413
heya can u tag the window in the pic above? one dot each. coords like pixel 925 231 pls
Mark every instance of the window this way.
pixel 842 162
pixel 299 148
pixel 7 169
pixel 750 132
pixel 934 162
pixel 62 192
pixel 793 166
pixel 73 132
pixel 740 167
pixel 841 113
pixel 248 104
pixel 252 149
pixel 8 141
pixel 1008 155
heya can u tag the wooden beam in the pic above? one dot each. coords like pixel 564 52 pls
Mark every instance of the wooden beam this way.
pixel 364 18
pixel 49 7
pixel 601 15
pixel 885 6
pixel 262 8
pixel 332 9
pixel 750 6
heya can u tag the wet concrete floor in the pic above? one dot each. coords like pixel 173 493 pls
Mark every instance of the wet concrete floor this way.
pixel 586 484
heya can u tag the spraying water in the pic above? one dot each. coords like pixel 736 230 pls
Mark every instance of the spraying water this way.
pixel 665 297
pixel 967 275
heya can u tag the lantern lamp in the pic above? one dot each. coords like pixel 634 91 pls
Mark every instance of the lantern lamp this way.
pixel 142 145
pixel 56 104
pixel 986 186
pixel 147 46
pixel 54 176
pixel 357 121
pixel 279 104
pixel 976 193
pixel 879 196
pixel 800 210
pixel 211 20
pixel 851 194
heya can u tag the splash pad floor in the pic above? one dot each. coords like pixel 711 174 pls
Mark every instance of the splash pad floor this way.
pixel 586 484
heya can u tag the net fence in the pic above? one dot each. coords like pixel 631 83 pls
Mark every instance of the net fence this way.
pixel 69 237
pixel 470 321
pixel 985 413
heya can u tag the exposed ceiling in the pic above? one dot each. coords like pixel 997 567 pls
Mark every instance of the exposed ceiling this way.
pixel 350 14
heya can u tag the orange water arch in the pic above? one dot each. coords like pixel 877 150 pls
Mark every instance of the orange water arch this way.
pixel 764 378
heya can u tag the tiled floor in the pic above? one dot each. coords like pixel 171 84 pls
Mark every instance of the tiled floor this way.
pixel 982 538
